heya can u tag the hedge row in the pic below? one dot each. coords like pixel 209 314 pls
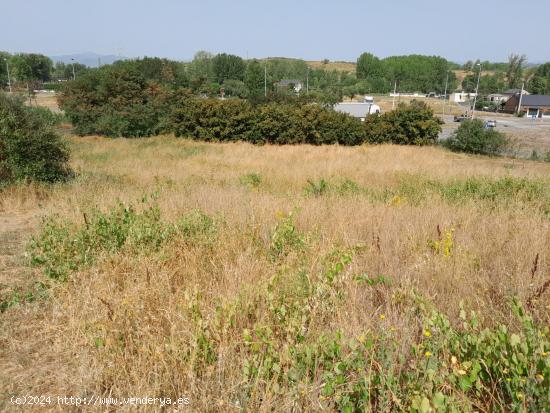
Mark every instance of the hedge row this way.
pixel 232 120
pixel 120 102
pixel 238 120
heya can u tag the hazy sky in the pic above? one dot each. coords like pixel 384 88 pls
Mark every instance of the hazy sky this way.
pixel 310 29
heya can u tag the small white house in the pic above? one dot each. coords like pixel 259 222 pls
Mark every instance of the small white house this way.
pixel 360 110
pixel 295 84
pixel 461 97
pixel 497 98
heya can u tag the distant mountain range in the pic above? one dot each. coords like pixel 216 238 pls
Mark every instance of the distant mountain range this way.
pixel 89 59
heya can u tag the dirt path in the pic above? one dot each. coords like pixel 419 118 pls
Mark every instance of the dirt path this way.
pixel 31 346
pixel 15 231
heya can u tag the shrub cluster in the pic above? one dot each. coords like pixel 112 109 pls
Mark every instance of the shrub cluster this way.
pixel 238 120
pixel 409 124
pixel 473 137
pixel 29 146
pixel 120 101
pixel 115 101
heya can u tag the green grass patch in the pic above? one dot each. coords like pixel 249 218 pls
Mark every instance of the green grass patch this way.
pixel 63 247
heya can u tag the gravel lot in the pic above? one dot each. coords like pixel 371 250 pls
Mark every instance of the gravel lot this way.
pixel 528 134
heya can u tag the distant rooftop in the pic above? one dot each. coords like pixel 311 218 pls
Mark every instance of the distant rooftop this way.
pixel 356 109
pixel 535 100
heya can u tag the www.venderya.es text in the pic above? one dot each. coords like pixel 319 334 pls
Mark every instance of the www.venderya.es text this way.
pixel 93 400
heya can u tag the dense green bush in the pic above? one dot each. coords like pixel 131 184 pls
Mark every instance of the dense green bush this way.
pixel 409 124
pixel 473 137
pixel 212 119
pixel 29 147
pixel 115 101
pixel 237 120
pixel 48 117
pixel 119 100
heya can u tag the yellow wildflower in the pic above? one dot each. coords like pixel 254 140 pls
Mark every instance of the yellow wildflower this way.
pixel 427 333
pixel 427 354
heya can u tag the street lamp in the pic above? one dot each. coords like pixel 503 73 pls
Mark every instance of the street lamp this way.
pixel 8 70
pixel 445 96
pixel 477 90
pixel 74 74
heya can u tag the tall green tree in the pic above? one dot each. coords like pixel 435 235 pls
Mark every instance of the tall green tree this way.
pixel 62 71
pixel 163 71
pixel 226 66
pixel 494 83
pixel 369 67
pixel 31 66
pixel 282 68
pixel 4 57
pixel 254 78
pixel 514 73
pixel 539 84
pixel 201 66
pixel 417 73
pixel 414 73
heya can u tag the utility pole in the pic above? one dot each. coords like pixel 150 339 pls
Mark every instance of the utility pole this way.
pixel 307 81
pixel 74 74
pixel 445 94
pixel 394 93
pixel 265 78
pixel 29 94
pixel 477 90
pixel 520 97
pixel 8 70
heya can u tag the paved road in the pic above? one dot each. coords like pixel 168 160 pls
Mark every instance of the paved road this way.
pixel 531 133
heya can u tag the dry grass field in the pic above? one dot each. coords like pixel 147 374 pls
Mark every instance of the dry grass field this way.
pixel 340 66
pixel 47 100
pixel 291 278
pixel 439 106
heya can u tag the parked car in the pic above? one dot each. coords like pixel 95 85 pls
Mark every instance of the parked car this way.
pixel 491 124
pixel 461 118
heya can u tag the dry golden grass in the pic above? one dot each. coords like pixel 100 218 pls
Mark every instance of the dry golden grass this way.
pixel 340 66
pixel 439 106
pixel 47 100
pixel 461 74
pixel 150 302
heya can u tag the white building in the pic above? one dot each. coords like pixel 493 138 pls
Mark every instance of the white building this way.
pixel 295 84
pixel 461 97
pixel 360 110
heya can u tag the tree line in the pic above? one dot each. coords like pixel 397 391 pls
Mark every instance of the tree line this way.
pixel 120 100
pixel 497 78
pixel 414 73
pixel 207 74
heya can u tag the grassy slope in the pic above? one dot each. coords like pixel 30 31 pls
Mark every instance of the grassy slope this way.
pixel 147 323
